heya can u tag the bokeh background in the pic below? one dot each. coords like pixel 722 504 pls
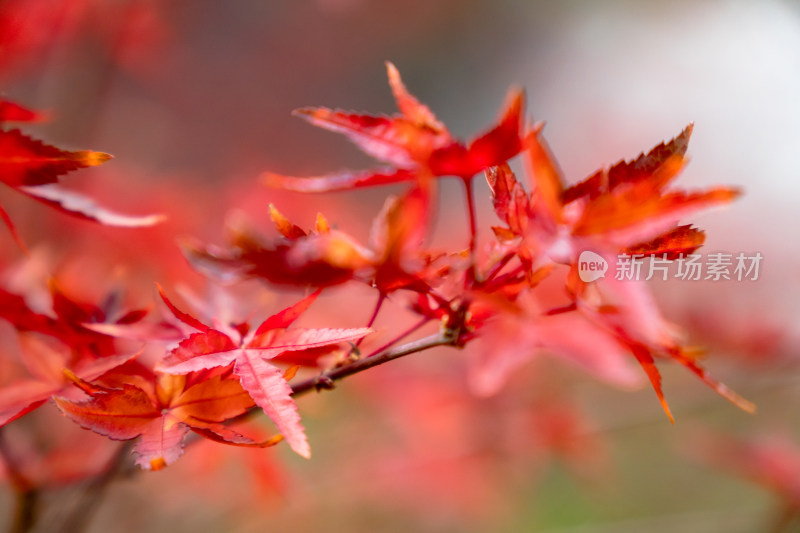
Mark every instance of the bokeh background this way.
pixel 194 99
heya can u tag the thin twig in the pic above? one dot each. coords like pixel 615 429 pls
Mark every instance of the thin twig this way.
pixel 495 270
pixel 400 337
pixel 473 227
pixel 378 305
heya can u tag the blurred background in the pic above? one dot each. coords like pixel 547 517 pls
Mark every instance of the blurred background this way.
pixel 194 100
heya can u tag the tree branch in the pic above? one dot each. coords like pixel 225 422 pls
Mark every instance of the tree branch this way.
pixel 78 518
pixel 26 494
pixel 326 379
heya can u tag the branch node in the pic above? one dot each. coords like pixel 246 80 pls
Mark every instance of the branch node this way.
pixel 323 382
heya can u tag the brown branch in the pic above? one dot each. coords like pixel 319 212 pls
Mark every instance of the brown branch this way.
pixel 26 494
pixel 79 516
pixel 326 379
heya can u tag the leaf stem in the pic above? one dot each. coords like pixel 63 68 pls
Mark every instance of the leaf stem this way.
pixel 473 229
pixel 371 321
pixel 495 270
pixel 401 336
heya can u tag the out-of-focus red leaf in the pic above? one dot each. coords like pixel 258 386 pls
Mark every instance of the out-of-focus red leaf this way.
pixel 494 147
pixel 649 366
pixel 769 459
pixel 26 161
pixel 408 104
pixel 516 335
pixel 638 215
pixel 546 176
pixel 415 142
pixel 46 363
pixel 683 240
pixel 13 112
pixel 321 259
pixel 338 182
pixel 81 206
pixel 286 228
pixel 641 168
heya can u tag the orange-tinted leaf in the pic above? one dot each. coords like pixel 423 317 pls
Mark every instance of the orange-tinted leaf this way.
pixel 683 240
pixel 321 224
pixel 339 181
pixel 411 108
pixel 641 168
pixel 212 400
pixel 286 228
pixel 546 175
pixel 402 224
pixel 649 366
pixel 120 414
pixel 640 212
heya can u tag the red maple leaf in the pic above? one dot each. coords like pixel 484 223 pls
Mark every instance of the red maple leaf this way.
pixel 249 351
pixel 626 208
pixel 13 112
pixel 391 261
pixel 770 459
pixel 414 142
pixel 33 168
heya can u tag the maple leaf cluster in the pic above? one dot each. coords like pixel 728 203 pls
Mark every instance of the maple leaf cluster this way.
pixel 155 376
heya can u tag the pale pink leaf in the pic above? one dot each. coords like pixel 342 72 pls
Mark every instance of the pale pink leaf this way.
pixel 198 351
pixel 84 207
pixel 512 341
pixel 272 393
pixel 161 443
pixel 300 339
